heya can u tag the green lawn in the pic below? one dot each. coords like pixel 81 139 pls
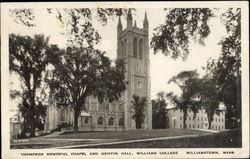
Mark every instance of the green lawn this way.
pixel 132 134
pixel 86 137
pixel 220 140
pixel 204 139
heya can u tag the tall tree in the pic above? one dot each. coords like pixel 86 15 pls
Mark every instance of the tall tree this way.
pixel 229 65
pixel 28 59
pixel 159 117
pixel 226 70
pixel 208 94
pixel 83 72
pixel 139 104
pixel 184 25
pixel 188 83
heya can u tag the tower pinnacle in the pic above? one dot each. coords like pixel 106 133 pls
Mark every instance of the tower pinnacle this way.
pixel 129 19
pixel 145 22
pixel 119 26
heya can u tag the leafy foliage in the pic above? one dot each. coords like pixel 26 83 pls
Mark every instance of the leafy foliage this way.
pixel 28 58
pixel 139 104
pixel 227 69
pixel 24 16
pixel 181 26
pixel 189 84
pixel 80 31
pixel 159 118
pixel 184 25
pixel 208 94
pixel 83 72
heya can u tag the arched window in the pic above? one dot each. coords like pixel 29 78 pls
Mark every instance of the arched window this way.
pixel 111 121
pixel 174 122
pixel 100 121
pixel 86 120
pixel 140 49
pixel 135 48
pixel 121 121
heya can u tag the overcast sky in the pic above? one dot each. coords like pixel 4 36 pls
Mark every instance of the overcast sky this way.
pixel 162 68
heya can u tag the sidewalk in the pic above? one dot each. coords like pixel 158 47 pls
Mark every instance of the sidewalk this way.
pixel 208 130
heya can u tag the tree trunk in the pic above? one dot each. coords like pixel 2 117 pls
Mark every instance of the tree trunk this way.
pixel 184 119
pixel 76 115
pixel 209 123
pixel 32 122
pixel 32 133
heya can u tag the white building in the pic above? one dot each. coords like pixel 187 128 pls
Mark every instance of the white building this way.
pixel 175 119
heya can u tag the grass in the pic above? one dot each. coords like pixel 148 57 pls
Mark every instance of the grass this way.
pixel 204 140
pixel 227 139
pixel 52 141
pixel 132 134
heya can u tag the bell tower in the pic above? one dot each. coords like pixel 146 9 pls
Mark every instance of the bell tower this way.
pixel 133 47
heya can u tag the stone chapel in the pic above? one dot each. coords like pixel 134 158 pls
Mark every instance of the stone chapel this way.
pixel 133 47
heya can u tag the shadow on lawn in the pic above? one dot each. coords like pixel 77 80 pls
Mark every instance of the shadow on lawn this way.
pixel 226 139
